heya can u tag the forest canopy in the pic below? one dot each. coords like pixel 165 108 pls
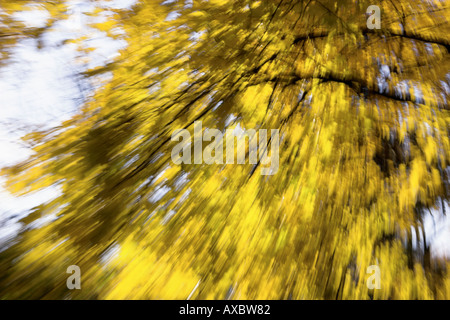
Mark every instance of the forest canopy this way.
pixel 363 120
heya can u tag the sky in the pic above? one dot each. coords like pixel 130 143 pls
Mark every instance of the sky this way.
pixel 40 88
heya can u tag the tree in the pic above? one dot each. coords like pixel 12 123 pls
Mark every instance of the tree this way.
pixel 363 119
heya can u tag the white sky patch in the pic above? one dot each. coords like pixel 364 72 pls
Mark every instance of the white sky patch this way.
pixel 181 180
pixel 159 193
pixel 185 195
pixel 119 4
pixel 437 231
pixel 40 88
pixel 168 216
pixel 238 131
pixel 416 51
pixel 33 18
pixel 110 254
pixel 43 221
pixel 151 72
pixel 445 86
pixel 131 161
pixel 15 208
pixel 218 104
pixel 159 175
pixel 385 73
pixel 195 36
pixel 418 94
pixel 172 16
pixel 401 90
pixel 230 119
pixel 166 2
pixel 188 4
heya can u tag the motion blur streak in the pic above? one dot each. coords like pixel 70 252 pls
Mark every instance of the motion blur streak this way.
pixel 363 120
